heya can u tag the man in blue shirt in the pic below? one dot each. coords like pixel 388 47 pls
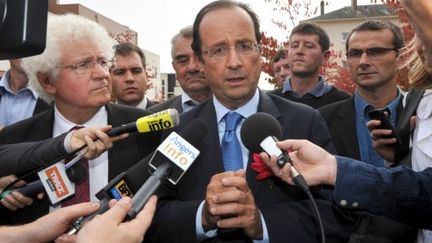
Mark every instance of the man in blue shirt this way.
pixel 309 48
pixel 17 100
pixel 372 54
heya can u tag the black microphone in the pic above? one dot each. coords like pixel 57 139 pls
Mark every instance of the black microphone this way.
pixel 169 162
pixel 76 174
pixel 260 132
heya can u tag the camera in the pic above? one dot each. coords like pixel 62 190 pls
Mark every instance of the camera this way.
pixel 23 25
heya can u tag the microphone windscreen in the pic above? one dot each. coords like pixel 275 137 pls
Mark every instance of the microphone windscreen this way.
pixel 161 120
pixel 194 133
pixel 77 173
pixel 258 127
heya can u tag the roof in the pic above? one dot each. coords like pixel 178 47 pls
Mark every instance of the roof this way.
pixel 362 11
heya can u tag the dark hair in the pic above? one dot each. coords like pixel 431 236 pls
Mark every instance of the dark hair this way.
pixel 196 42
pixel 398 38
pixel 313 29
pixel 280 54
pixel 126 48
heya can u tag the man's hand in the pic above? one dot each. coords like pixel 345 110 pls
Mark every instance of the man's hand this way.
pixel 5 181
pixel 315 164
pixel 50 226
pixel 209 220
pixel 108 227
pixel 97 140
pixel 231 204
pixel 15 200
pixel 384 146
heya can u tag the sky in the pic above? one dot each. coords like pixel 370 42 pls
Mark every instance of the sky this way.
pixel 156 21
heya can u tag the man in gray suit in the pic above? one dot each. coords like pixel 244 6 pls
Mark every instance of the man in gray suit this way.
pixel 189 74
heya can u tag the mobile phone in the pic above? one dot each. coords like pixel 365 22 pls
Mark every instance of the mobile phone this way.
pixel 378 114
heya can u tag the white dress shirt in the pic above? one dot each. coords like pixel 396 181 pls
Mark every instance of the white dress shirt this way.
pixel 98 168
pixel 422 146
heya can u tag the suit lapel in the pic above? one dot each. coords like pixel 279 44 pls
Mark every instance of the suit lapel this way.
pixel 345 128
pixel 40 106
pixel 267 105
pixel 177 104
pixel 44 128
pixel 114 121
pixel 212 142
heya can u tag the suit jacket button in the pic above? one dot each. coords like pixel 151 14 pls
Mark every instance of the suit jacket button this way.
pixel 343 203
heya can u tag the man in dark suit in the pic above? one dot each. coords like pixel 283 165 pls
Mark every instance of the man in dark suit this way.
pixel 372 55
pixel 78 82
pixel 189 74
pixel 219 199
pixel 129 76
pixel 373 66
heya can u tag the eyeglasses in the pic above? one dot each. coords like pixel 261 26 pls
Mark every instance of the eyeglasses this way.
pixel 243 49
pixel 372 53
pixel 85 66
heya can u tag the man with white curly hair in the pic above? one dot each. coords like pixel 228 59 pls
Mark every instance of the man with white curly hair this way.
pixel 73 72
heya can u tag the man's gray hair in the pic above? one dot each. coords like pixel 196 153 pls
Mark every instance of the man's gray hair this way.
pixel 62 30
pixel 185 32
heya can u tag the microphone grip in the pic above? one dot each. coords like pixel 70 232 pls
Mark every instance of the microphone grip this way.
pixel 78 224
pixel 298 179
pixel 283 159
pixel 31 188
pixel 148 189
pixel 122 129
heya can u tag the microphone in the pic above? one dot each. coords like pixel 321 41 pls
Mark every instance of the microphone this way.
pixel 76 174
pixel 158 121
pixel 169 162
pixel 260 132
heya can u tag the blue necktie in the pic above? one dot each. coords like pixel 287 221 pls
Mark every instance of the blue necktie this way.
pixel 231 149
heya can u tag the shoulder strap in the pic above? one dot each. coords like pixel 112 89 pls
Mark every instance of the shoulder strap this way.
pixel 403 127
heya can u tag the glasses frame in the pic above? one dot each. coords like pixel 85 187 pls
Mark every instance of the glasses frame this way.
pixel 86 65
pixel 254 48
pixel 379 52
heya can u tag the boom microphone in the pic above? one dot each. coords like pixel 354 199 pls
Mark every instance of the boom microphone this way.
pixel 161 120
pixel 170 161
pixel 260 132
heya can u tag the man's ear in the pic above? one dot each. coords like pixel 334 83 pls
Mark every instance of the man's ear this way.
pixel 46 84
pixel 326 56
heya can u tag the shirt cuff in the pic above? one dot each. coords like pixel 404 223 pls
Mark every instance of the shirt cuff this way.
pixel 265 232
pixel 200 233
pixel 347 192
pixel 67 142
